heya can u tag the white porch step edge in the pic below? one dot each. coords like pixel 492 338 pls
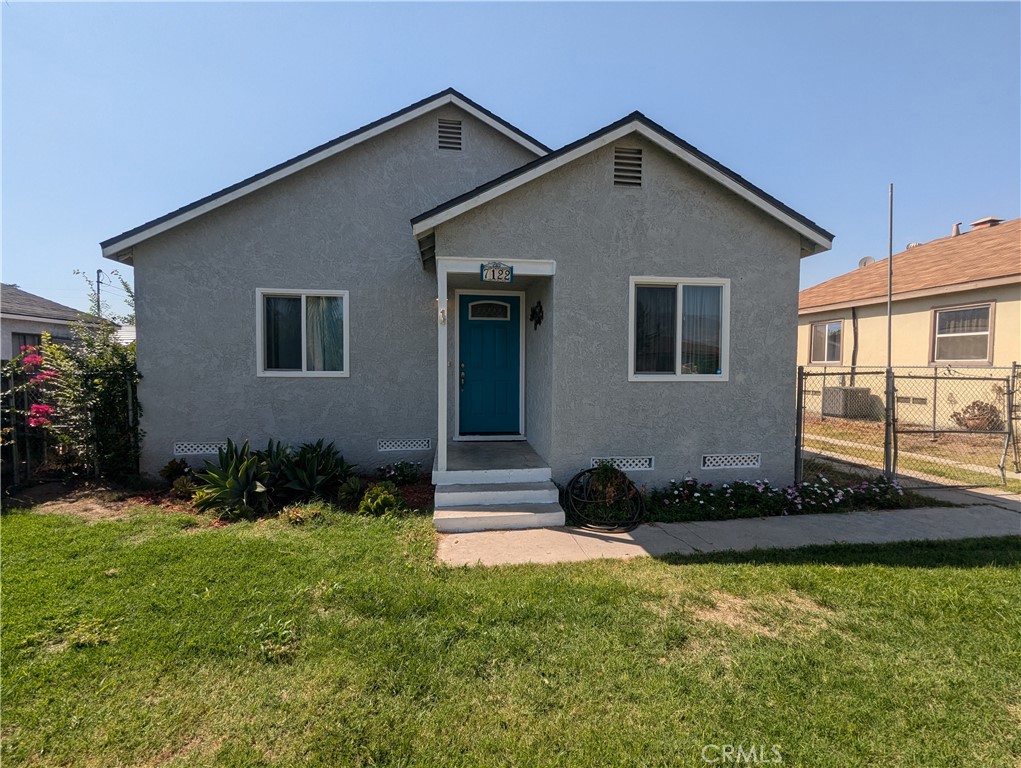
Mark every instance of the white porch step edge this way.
pixel 487 476
pixel 496 493
pixel 498 518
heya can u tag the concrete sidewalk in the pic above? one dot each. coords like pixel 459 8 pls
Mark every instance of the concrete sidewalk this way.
pixel 561 545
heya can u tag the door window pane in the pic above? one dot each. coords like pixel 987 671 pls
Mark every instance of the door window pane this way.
pixel 655 329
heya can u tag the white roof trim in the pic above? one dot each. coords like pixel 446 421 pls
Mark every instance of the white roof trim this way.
pixel 427 225
pixel 113 249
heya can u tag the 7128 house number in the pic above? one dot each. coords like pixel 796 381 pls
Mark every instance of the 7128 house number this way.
pixel 495 272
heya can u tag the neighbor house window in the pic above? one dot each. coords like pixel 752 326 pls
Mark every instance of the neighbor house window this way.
pixel 19 340
pixel 826 340
pixel 302 333
pixel 679 329
pixel 962 334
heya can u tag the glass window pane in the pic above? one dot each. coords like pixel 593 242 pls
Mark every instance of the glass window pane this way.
pixel 819 343
pixel 655 329
pixel 833 343
pixel 970 320
pixel 324 331
pixel 283 333
pixel 701 328
pixel 962 347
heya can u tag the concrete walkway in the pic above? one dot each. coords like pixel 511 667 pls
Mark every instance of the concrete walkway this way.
pixel 990 517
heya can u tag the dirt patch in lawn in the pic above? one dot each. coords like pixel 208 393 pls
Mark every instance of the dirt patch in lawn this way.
pixel 90 501
pixel 788 612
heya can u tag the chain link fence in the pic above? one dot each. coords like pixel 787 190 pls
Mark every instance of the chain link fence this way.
pixel 952 426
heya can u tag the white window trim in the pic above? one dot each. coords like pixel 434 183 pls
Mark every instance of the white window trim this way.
pixel 988 333
pixel 723 282
pixel 811 350
pixel 260 332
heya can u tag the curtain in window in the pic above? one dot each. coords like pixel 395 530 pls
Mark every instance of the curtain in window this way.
pixel 283 333
pixel 701 328
pixel 655 329
pixel 324 332
pixel 962 334
pixel 971 320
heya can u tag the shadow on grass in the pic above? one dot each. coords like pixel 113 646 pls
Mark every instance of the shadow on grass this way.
pixel 996 552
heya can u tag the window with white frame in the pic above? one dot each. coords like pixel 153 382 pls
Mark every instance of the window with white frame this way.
pixel 679 329
pixel 825 342
pixel 302 333
pixel 962 334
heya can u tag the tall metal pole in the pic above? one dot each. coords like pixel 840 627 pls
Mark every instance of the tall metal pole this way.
pixel 888 450
pixel 99 304
pixel 889 288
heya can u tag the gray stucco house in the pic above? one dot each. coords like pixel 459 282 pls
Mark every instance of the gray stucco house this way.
pixel 441 287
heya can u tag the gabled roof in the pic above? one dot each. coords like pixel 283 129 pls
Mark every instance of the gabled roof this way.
pixel 113 247
pixel 980 258
pixel 16 303
pixel 636 122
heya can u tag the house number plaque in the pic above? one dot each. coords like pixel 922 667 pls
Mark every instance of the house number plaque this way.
pixel 496 272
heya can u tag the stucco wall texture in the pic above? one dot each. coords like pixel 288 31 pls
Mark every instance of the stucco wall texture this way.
pixel 677 224
pixel 342 224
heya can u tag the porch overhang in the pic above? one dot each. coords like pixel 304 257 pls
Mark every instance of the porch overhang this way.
pixel 445 267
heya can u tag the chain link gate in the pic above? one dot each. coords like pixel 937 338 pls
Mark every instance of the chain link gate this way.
pixel 950 426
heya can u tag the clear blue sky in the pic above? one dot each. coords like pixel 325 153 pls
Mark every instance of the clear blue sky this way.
pixel 114 114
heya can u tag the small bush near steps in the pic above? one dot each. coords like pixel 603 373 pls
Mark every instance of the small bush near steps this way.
pixel 382 499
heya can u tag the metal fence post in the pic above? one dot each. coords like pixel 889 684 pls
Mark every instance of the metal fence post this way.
pixel 800 417
pixel 888 468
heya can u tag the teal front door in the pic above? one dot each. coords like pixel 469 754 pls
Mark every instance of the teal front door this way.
pixel 489 375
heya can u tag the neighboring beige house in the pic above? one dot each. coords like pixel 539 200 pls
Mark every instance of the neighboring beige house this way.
pixel 956 302
pixel 26 317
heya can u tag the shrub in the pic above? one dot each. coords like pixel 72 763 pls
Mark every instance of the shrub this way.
pixel 382 499
pixel 979 416
pixel 691 500
pixel 350 492
pixel 401 472
pixel 275 459
pixel 183 488
pixel 174 469
pixel 235 485
pixel 316 471
pixel 299 514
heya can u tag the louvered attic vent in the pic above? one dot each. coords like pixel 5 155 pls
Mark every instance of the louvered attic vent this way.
pixel 450 134
pixel 627 167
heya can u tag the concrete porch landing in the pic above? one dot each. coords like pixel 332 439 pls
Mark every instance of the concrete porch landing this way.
pixel 494 485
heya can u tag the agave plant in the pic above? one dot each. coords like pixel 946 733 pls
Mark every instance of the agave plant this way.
pixel 316 471
pixel 235 485
pixel 275 460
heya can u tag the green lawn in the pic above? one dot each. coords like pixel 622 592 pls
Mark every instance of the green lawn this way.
pixel 157 640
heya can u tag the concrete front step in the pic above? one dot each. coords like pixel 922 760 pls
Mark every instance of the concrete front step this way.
pixel 487 476
pixel 497 517
pixel 489 494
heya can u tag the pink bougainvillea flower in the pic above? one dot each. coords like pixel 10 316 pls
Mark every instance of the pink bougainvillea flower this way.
pixel 31 361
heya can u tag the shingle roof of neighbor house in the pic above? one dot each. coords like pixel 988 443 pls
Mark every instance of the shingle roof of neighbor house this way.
pixel 14 301
pixel 987 256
